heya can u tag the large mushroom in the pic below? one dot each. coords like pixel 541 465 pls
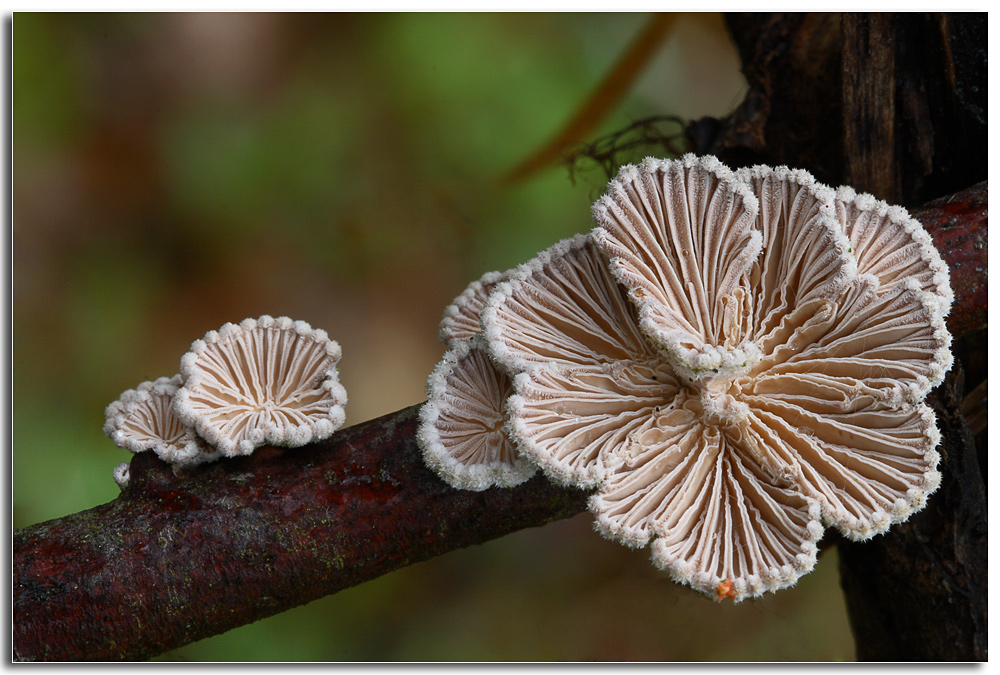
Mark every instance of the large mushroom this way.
pixel 746 383
pixel 462 432
pixel 265 381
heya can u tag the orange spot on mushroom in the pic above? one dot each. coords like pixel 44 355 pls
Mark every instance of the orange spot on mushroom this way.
pixel 724 590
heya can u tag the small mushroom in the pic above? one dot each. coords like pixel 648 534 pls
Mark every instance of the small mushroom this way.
pixel 462 426
pixel 121 475
pixel 748 381
pixel 143 419
pixel 265 381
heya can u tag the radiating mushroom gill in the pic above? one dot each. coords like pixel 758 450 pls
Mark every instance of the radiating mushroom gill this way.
pixel 263 381
pixel 143 419
pixel 759 383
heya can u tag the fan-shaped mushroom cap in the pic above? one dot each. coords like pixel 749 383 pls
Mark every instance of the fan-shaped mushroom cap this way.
pixel 565 324
pixel 143 419
pixel 680 238
pixel 264 381
pixel 562 307
pixel 463 424
pixel 892 245
pixel 744 382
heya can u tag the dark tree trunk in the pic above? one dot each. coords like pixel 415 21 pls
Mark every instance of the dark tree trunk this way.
pixel 894 105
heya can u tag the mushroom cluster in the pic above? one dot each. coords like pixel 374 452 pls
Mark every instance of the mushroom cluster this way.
pixel 731 361
pixel 264 381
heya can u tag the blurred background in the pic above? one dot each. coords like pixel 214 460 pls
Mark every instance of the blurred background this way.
pixel 173 172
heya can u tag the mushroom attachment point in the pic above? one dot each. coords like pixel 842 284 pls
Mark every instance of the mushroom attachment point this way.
pixel 733 361
pixel 143 419
pixel 462 431
pixel 265 381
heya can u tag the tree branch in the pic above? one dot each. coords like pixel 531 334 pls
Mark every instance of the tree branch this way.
pixel 958 225
pixel 177 558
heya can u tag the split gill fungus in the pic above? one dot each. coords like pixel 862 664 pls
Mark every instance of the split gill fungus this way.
pixel 265 381
pixel 143 419
pixel 731 361
pixel 262 381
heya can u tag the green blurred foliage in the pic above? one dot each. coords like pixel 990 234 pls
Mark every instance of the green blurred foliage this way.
pixel 243 171
pixel 46 105
pixel 173 172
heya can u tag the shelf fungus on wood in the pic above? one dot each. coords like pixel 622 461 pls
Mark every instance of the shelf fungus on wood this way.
pixel 733 362
pixel 462 432
pixel 264 381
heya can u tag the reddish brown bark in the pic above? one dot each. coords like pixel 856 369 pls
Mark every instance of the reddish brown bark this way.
pixel 178 558
pixel 957 224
